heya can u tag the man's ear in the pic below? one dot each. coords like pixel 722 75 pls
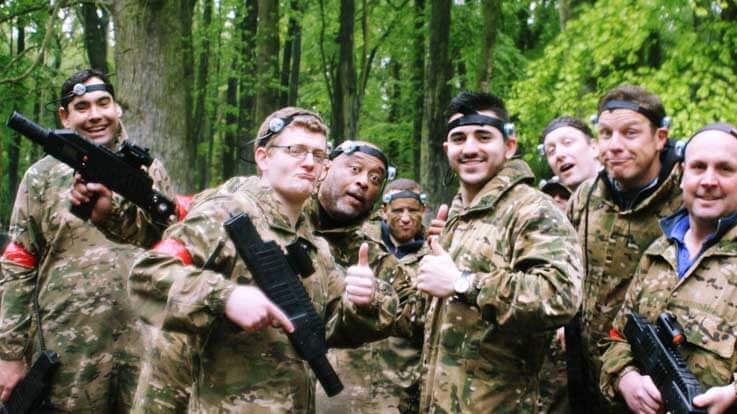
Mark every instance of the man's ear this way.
pixel 118 110
pixel 661 137
pixel 510 146
pixel 261 156
pixel 64 117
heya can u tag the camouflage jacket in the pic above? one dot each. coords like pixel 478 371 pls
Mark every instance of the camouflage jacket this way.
pixel 702 301
pixel 484 353
pixel 235 371
pixel 615 242
pixel 358 368
pixel 80 279
pixel 374 374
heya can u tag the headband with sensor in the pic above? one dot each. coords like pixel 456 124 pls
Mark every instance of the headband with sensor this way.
pixel 728 129
pixel 506 128
pixel 350 147
pixel 664 122
pixel 421 197
pixel 80 89
pixel 276 126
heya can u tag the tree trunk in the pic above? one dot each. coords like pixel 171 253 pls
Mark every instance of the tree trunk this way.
pixel 418 79
pixel 230 140
pixel 153 56
pixel 201 91
pixel 345 78
pixel 296 60
pixel 436 102
pixel 491 10
pixel 247 86
pixel 95 35
pixel 287 54
pixel 14 147
pixel 267 59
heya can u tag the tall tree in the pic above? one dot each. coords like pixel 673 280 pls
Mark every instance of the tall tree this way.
pixel 95 21
pixel 199 117
pixel 267 59
pixel 418 79
pixel 296 38
pixel 14 147
pixel 436 101
pixel 491 11
pixel 343 124
pixel 247 82
pixel 291 57
pixel 153 56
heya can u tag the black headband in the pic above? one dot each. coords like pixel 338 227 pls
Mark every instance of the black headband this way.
pixel 421 197
pixel 80 89
pixel 478 119
pixel 350 147
pixel 719 126
pixel 277 125
pixel 633 106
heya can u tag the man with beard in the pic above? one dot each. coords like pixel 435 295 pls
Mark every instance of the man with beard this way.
pixel 510 276
pixel 617 215
pixel 690 272
pixel 202 288
pixel 340 212
pixel 568 146
pixel 63 270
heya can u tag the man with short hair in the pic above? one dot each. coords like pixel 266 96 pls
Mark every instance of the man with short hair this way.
pixel 557 190
pixel 75 276
pixel 203 288
pixel 341 214
pixel 509 278
pixel 568 146
pixel 617 213
pixel 690 272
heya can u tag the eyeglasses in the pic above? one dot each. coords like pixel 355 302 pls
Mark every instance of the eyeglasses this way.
pixel 300 152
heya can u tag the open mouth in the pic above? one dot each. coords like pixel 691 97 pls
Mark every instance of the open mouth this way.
pixel 356 197
pixel 566 167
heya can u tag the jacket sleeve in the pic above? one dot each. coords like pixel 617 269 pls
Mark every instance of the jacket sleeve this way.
pixel 348 325
pixel 180 283
pixel 20 267
pixel 128 224
pixel 540 285
pixel 617 360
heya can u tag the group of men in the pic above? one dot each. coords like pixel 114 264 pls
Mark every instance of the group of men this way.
pixel 465 314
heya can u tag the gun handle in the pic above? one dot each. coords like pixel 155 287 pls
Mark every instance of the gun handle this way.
pixel 84 211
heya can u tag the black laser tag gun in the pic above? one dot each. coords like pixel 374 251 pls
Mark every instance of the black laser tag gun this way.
pixel 31 392
pixel 656 351
pixel 119 171
pixel 276 275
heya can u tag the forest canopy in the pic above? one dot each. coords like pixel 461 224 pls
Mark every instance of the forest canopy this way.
pixel 196 77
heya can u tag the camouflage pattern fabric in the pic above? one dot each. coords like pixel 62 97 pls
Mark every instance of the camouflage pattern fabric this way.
pixel 233 371
pixel 616 240
pixel 81 281
pixel 702 302
pixel 553 381
pixel 483 353
pixel 380 376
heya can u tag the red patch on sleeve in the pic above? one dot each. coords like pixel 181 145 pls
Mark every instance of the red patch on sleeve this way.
pixel 19 255
pixel 183 204
pixel 614 334
pixel 174 248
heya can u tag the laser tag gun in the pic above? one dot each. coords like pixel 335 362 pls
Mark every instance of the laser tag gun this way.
pixel 276 275
pixel 31 392
pixel 656 351
pixel 119 171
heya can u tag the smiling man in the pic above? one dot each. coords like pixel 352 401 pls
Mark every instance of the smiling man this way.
pixel 76 275
pixel 509 277
pixel 241 356
pixel 617 213
pixel 690 271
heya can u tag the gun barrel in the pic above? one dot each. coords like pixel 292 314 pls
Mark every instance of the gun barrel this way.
pixel 28 128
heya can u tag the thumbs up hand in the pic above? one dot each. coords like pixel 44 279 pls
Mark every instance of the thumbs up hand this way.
pixel 437 224
pixel 360 280
pixel 437 272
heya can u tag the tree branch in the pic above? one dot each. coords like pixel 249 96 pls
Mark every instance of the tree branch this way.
pixel 42 49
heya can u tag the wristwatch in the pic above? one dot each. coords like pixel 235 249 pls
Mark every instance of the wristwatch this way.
pixel 463 284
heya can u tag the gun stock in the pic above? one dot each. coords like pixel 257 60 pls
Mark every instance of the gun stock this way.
pixel 273 274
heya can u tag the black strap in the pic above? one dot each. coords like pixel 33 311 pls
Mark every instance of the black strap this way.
pixel 80 89
pixel 477 119
pixel 351 148
pixel 633 106
pixel 404 194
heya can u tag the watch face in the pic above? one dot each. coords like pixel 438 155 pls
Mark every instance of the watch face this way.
pixel 461 284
